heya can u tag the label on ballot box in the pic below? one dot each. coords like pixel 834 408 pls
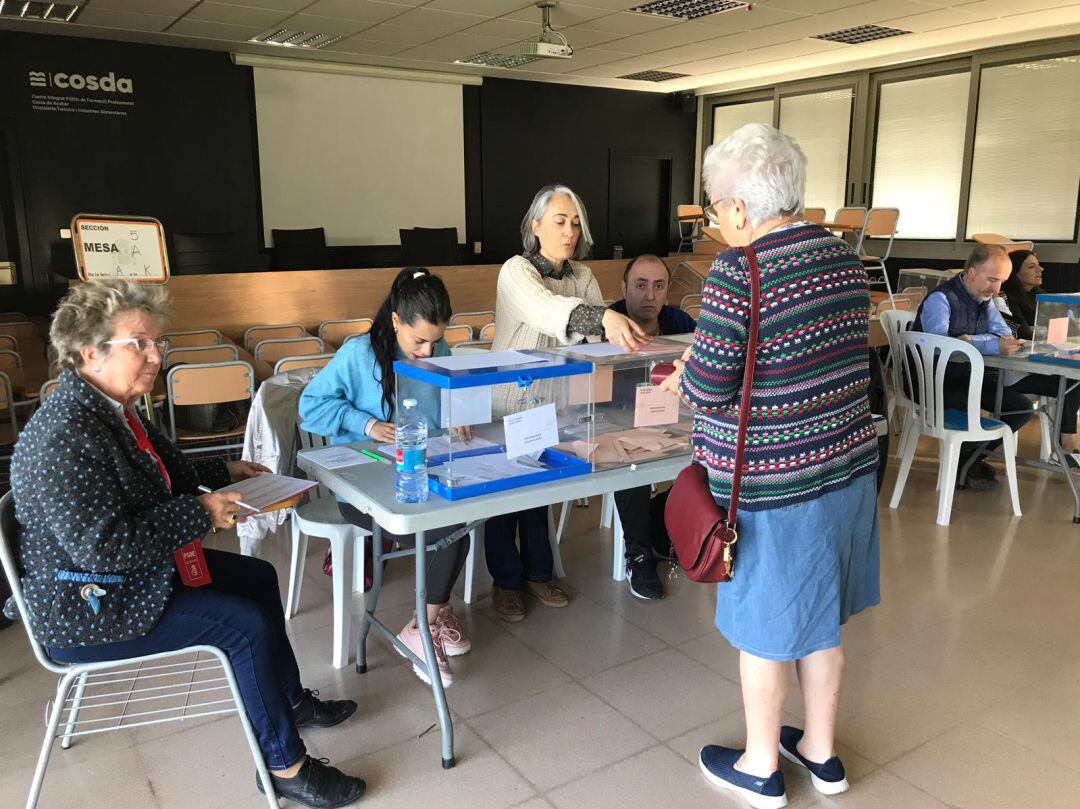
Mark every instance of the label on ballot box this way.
pixel 191 562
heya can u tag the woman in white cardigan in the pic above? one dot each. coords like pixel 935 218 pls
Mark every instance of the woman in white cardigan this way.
pixel 546 297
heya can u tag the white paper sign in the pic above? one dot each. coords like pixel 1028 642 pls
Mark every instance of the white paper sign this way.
pixel 485 359
pixel 531 430
pixel 108 247
pixel 463 407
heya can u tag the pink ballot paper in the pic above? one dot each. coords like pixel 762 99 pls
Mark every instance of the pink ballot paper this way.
pixel 1057 330
pixel 654 406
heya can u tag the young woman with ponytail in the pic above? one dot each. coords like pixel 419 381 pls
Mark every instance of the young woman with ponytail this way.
pixel 352 399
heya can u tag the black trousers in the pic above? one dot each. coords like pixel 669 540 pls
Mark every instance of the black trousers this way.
pixel 510 565
pixel 642 518
pixel 443 566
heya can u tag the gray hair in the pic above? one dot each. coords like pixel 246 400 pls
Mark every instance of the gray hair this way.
pixel 87 316
pixel 760 165
pixel 983 253
pixel 536 212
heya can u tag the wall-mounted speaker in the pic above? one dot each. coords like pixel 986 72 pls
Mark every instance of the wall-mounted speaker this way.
pixel 684 101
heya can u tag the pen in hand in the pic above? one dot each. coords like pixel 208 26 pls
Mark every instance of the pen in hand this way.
pixel 240 503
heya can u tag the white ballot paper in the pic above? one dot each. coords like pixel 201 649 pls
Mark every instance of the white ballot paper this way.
pixel 486 359
pixel 442 444
pixel 484 469
pixel 338 457
pixel 531 430
pixel 265 490
pixel 463 407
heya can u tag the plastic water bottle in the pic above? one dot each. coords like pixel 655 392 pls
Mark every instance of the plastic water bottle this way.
pixel 411 481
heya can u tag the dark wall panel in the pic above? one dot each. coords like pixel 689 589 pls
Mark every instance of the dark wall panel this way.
pixel 534 134
pixel 180 146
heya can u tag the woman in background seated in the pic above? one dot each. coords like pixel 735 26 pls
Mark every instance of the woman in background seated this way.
pixel 352 399
pixel 104 500
pixel 546 297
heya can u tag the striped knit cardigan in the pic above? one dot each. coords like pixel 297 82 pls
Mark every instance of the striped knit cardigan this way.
pixel 810 430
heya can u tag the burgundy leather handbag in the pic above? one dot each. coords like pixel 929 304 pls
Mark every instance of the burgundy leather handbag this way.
pixel 703 533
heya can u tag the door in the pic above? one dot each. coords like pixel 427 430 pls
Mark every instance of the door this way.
pixel 639 204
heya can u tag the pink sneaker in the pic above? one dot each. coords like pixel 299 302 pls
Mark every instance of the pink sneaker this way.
pixel 410 636
pixel 452 632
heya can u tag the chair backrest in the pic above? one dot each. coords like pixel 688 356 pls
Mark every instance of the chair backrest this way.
pixel 852 216
pixel 189 339
pixel 690 275
pixel 694 310
pixel 895 322
pixel 706 247
pixel 1004 241
pixel 256 334
pixel 200 354
pixel 429 247
pixel 270 351
pixel 303 361
pixel 205 253
pixel 457 334
pixel 210 383
pixel 11 364
pixel 471 347
pixel 303 249
pixel 690 300
pixel 925 358
pixel 477 320
pixel 689 211
pixel 47 387
pixel 896 303
pixel 8 343
pixel 336 332
pixel 815 215
pixel 26 335
pixel 7 410
pixel 9 540
pixel 487 333
pixel 881 223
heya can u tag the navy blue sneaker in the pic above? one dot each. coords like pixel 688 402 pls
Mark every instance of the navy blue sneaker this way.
pixel 828 778
pixel 718 765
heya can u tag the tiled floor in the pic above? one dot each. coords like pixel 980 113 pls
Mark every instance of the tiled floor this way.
pixel 963 687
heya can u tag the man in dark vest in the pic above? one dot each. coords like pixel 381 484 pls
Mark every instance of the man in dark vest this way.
pixel 964 308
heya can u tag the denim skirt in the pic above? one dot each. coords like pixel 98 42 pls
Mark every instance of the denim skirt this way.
pixel 800 572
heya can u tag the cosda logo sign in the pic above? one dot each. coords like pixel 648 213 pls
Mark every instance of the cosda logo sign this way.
pixel 109 83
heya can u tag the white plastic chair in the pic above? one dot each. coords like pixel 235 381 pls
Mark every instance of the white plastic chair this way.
pixel 121 694
pixel 895 322
pixel 320 517
pixel 925 358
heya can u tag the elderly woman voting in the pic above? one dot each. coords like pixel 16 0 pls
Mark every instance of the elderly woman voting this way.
pixel 101 496
pixel 807 551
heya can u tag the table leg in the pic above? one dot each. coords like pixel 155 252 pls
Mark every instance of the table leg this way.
pixel 446 726
pixel 1059 453
pixel 371 600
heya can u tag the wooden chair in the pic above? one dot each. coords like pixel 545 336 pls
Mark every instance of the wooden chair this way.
pixel 190 339
pixel 477 320
pixel 471 347
pixel 256 334
pixel 896 303
pixel 457 334
pixel 815 215
pixel 694 310
pixel 8 343
pixel 1004 241
pixel 11 364
pixel 205 384
pixel 226 352
pixel 848 220
pixel 690 300
pixel 705 247
pixel 880 223
pixel 268 353
pixel 487 334
pixel 47 388
pixel 306 361
pixel 9 425
pixel 336 332
pixel 691 219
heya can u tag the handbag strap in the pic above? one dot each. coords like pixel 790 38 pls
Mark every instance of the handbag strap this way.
pixel 748 382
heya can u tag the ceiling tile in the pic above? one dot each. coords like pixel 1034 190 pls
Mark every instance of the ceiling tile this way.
pixel 127 20
pixel 502 27
pixel 368 47
pixel 931 20
pixel 388 32
pixel 684 53
pixel 431 53
pixel 277 5
pixel 813 6
pixel 489 8
pixel 615 5
pixel 586 37
pixel 161 7
pixel 719 46
pixel 440 22
pixel 1003 8
pixel 731 60
pixel 628 24
pixel 235 15
pixel 876 11
pixel 790 50
pixel 473 43
pixel 214 30
pixel 322 25
pixel 758 16
pixel 563 15
pixel 667 38
pixel 596 56
pixel 698 68
pixel 366 10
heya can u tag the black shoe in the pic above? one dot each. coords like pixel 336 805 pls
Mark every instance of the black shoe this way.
pixel 317 713
pixel 642 578
pixel 318 786
pixel 981 469
pixel 978 484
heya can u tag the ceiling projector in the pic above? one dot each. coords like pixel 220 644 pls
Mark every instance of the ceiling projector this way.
pixel 550 44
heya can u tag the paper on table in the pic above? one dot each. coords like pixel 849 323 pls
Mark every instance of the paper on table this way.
pixel 338 457
pixel 265 490
pixel 482 469
pixel 463 407
pixel 602 379
pixel 1057 330
pixel 597 350
pixel 530 430
pixel 441 445
pixel 655 406
pixel 487 359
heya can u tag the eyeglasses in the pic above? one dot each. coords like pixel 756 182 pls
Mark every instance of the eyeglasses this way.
pixel 712 212
pixel 142 344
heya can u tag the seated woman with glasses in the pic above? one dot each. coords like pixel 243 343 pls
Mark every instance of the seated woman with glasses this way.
pixel 104 501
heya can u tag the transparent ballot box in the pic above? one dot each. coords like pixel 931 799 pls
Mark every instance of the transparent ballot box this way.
pixel 1056 335
pixel 931 279
pixel 495 419
pixel 633 420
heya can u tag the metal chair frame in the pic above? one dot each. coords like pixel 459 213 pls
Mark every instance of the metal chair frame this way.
pixel 171 398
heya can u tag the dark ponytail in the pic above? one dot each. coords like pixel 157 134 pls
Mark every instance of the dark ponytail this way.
pixel 415 295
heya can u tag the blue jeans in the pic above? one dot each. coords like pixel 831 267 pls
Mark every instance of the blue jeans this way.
pixel 240 613
pixel 509 566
